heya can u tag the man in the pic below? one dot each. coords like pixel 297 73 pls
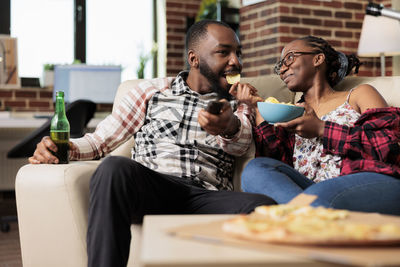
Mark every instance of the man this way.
pixel 183 155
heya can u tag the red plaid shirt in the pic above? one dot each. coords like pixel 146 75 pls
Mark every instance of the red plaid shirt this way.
pixel 371 145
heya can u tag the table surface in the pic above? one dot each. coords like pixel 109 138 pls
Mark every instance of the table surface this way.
pixel 26 122
pixel 161 249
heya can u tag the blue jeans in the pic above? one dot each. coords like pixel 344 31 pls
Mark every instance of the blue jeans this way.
pixel 364 191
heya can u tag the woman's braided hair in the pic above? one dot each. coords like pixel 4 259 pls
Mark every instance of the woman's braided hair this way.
pixel 332 59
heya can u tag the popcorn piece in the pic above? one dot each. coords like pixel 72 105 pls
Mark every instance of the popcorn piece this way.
pixel 233 78
pixel 272 99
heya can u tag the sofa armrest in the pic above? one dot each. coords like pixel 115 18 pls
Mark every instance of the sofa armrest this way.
pixel 52 204
pixel 125 149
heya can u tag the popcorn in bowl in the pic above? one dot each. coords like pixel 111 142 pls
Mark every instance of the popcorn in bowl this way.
pixel 274 111
pixel 272 99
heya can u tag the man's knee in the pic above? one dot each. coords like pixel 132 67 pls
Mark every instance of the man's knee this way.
pixel 263 199
pixel 113 171
pixel 113 163
pixel 255 200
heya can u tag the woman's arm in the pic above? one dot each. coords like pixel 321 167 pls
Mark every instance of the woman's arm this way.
pixel 374 136
pixel 365 97
pixel 274 142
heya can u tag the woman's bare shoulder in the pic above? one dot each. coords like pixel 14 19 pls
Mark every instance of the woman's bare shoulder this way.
pixel 366 96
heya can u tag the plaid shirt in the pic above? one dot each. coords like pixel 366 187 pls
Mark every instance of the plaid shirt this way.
pixel 162 115
pixel 371 145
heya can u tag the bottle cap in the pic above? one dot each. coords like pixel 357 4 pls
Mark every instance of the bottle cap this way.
pixel 60 93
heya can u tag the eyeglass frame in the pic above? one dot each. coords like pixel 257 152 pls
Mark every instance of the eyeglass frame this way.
pixel 280 63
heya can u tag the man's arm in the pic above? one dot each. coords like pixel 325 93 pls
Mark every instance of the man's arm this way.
pixel 237 138
pixel 126 120
pixel 233 130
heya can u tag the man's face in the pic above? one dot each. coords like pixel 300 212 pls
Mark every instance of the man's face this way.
pixel 213 79
pixel 219 55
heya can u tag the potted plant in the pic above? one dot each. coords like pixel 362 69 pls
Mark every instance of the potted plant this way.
pixel 208 9
pixel 143 58
pixel 48 75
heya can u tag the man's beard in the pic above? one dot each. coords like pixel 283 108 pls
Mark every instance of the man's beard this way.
pixel 206 71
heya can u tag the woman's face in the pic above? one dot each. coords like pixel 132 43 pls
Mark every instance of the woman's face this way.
pixel 297 68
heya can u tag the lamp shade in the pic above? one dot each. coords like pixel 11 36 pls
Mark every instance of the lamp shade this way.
pixel 379 36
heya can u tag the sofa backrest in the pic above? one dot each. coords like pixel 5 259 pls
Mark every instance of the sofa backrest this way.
pixel 272 85
pixel 125 87
pixel 388 87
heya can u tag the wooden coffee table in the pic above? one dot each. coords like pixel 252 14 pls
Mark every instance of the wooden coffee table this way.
pixel 161 249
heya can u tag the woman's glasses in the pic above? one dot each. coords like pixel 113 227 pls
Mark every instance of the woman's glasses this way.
pixel 289 59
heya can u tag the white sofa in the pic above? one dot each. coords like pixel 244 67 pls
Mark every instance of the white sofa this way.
pixel 52 200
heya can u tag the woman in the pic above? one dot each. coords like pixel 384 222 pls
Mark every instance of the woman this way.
pixel 344 149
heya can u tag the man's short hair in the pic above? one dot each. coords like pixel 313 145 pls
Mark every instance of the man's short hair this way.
pixel 198 31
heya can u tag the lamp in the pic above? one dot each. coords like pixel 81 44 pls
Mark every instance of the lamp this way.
pixel 380 10
pixel 380 34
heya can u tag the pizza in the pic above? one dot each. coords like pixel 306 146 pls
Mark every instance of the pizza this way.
pixel 231 79
pixel 291 224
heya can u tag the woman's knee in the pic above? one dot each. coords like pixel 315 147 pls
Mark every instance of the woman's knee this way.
pixel 254 168
pixel 263 162
pixel 380 194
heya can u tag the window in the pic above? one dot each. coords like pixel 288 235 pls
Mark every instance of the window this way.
pixel 44 31
pixel 117 32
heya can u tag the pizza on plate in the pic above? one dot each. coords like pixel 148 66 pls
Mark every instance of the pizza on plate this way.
pixel 291 224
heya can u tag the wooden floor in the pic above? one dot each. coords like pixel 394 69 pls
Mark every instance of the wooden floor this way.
pixel 10 250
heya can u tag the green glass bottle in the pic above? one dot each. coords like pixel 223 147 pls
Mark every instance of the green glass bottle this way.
pixel 59 129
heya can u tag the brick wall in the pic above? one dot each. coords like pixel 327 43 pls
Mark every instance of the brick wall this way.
pixel 26 99
pixel 264 29
pixel 34 100
pixel 267 26
pixel 179 13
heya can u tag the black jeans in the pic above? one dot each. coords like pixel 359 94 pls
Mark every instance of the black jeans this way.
pixel 122 191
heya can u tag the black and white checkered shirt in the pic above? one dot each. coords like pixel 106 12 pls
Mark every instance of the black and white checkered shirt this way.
pixel 162 115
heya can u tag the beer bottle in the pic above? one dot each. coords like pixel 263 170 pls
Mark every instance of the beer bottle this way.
pixel 59 129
